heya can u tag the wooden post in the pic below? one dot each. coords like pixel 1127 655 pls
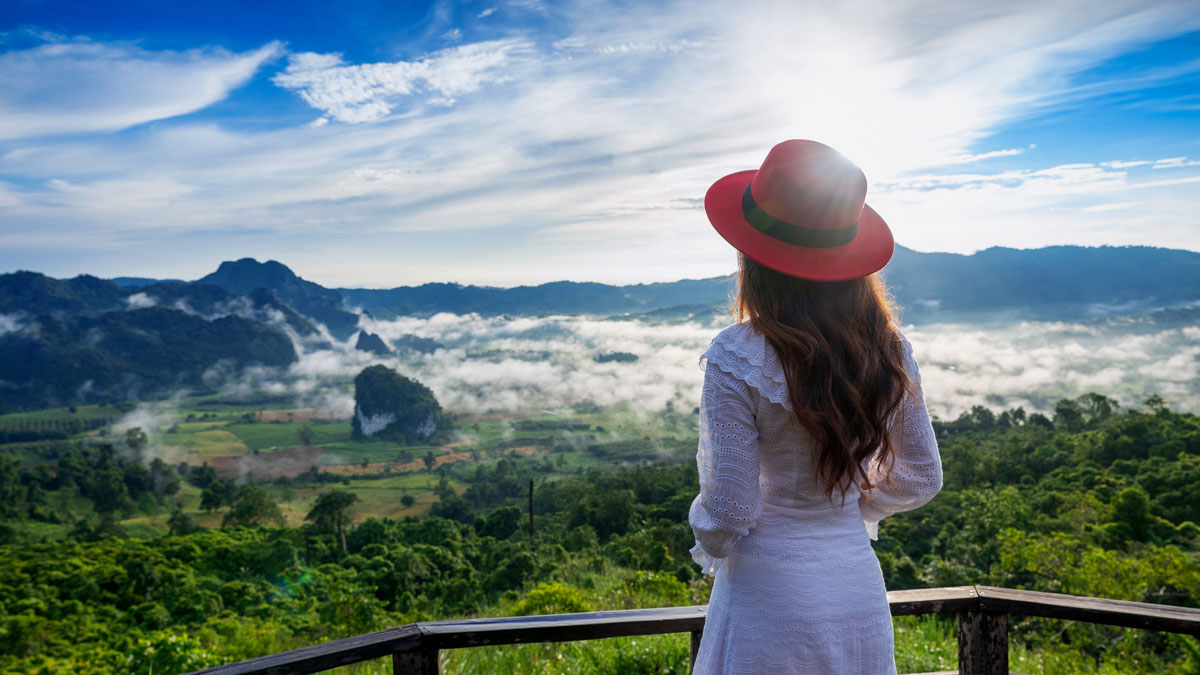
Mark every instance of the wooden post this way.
pixel 696 635
pixel 416 662
pixel 982 643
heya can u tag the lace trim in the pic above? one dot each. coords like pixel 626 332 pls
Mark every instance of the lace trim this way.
pixel 708 564
pixel 745 354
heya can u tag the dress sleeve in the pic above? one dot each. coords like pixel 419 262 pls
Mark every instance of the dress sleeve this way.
pixel 729 502
pixel 916 474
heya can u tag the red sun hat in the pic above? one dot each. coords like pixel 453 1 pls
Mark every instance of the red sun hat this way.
pixel 802 213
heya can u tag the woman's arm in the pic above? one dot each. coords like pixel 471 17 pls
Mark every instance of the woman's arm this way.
pixel 729 502
pixel 916 475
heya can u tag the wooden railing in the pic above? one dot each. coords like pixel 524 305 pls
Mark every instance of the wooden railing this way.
pixel 982 629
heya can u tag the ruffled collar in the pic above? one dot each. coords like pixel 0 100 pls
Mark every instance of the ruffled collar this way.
pixel 745 354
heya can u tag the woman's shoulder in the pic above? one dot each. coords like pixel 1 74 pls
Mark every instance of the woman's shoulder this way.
pixel 744 353
pixel 740 340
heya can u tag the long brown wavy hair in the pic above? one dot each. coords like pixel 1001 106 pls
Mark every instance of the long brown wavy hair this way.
pixel 841 351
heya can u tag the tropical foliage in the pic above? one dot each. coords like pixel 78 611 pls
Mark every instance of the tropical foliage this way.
pixel 1091 501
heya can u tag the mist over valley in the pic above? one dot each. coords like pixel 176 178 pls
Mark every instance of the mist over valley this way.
pixel 1002 328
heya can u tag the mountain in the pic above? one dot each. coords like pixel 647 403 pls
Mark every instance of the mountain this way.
pixel 34 293
pixel 1046 282
pixel 88 340
pixel 559 297
pixel 138 282
pixel 1039 283
pixel 127 355
pixel 312 300
pixel 1053 282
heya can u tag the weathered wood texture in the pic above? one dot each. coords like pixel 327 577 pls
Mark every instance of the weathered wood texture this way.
pixel 1143 615
pixel 414 647
pixel 982 643
pixel 932 600
pixel 328 655
pixel 563 627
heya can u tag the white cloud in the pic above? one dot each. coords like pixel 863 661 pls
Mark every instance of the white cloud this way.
pixel 496 364
pixel 540 157
pixel 1114 206
pixel 1175 163
pixel 366 92
pixel 74 87
pixel 140 301
pixel 486 13
pixel 10 323
pixel 965 159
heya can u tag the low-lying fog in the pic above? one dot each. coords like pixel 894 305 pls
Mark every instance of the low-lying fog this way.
pixel 495 364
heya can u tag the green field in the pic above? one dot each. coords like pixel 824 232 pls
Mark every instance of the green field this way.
pixel 222 434
pixel 262 436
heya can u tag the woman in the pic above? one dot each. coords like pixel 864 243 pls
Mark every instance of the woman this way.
pixel 812 423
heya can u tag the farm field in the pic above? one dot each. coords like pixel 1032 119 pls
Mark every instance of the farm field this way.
pixel 246 444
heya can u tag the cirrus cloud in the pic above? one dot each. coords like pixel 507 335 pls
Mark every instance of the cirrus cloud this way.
pixel 83 86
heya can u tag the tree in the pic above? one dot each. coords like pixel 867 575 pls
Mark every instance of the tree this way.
pixel 1068 414
pixel 408 500
pixel 203 476
pixel 136 439
pixel 252 507
pixel 214 497
pixel 1158 404
pixel 444 490
pixel 181 523
pixel 307 436
pixel 1097 407
pixel 330 513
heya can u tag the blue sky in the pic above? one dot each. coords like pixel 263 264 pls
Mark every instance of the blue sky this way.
pixel 522 141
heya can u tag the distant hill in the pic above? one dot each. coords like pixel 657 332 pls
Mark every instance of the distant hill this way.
pixel 87 340
pixel 1036 283
pixel 1044 282
pixel 36 293
pixel 1053 282
pixel 138 282
pixel 320 303
pixel 126 355
pixel 559 297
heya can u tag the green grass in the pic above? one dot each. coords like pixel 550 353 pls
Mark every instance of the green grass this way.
pixel 354 452
pixel 81 412
pixel 261 436
pixel 204 440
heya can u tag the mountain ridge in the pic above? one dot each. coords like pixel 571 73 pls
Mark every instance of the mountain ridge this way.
pixel 1071 281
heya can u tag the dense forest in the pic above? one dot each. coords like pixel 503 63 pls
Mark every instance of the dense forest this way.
pixel 1091 500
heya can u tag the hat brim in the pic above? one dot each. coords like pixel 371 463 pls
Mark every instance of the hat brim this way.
pixel 870 250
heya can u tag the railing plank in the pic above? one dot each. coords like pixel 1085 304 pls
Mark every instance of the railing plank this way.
pixel 932 600
pixel 563 627
pixel 414 647
pixel 327 655
pixel 1143 615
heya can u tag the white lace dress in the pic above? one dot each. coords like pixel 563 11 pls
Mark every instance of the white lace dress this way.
pixel 798 588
